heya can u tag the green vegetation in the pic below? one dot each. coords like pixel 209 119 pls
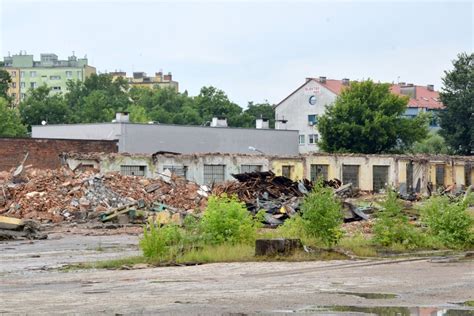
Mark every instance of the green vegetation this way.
pixel 392 226
pixel 227 220
pixel 227 231
pixel 358 245
pixel 321 220
pixel 161 243
pixel 321 215
pixel 10 122
pixel 434 144
pixel 99 97
pixel 449 222
pixel 457 121
pixel 367 118
pixel 5 81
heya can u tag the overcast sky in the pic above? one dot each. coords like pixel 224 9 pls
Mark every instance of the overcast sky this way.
pixel 252 51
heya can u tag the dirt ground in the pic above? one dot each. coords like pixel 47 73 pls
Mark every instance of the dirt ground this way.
pixel 31 283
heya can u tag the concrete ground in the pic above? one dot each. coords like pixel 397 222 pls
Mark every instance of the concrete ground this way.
pixel 32 284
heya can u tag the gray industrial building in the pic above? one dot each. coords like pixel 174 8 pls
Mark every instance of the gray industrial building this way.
pixel 150 138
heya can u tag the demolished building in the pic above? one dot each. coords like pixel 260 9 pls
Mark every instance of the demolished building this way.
pixel 408 173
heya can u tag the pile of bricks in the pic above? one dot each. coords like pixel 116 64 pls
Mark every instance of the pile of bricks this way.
pixel 61 194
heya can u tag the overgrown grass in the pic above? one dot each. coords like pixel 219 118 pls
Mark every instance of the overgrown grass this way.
pixel 227 234
pixel 219 253
pixel 107 264
pixel 359 246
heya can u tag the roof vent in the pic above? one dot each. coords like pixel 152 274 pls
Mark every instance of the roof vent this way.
pixel 262 123
pixel 280 124
pixel 322 79
pixel 122 117
pixel 219 121
pixel 430 87
pixel 345 81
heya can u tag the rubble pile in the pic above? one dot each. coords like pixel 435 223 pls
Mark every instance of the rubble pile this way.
pixel 279 196
pixel 58 195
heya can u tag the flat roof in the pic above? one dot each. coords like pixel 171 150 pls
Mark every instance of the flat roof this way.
pixel 171 125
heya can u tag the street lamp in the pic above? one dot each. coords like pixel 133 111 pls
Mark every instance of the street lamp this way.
pixel 255 149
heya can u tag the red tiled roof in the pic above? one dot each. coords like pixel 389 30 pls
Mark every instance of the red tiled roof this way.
pixel 424 98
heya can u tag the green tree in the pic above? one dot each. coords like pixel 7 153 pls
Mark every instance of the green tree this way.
pixel 10 122
pixel 96 108
pixel 457 120
pixel 256 111
pixel 81 98
pixel 5 81
pixel 214 102
pixel 41 106
pixel 137 114
pixel 433 144
pixel 367 118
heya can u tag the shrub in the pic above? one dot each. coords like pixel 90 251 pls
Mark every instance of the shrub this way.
pixel 322 215
pixel 227 220
pixel 392 227
pixel 449 222
pixel 292 228
pixel 161 242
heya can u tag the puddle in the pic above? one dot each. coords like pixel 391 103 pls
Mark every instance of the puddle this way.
pixel 369 296
pixel 386 311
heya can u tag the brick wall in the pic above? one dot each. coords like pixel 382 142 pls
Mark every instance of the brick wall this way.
pixel 44 152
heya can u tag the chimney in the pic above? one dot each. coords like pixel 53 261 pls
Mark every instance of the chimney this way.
pixel 322 79
pixel 409 90
pixel 168 77
pixel 219 121
pixel 280 124
pixel 262 123
pixel 122 117
pixel 430 87
pixel 345 81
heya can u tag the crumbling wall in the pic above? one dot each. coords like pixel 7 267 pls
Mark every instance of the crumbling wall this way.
pixel 295 165
pixel 194 164
pixel 116 163
pixel 423 167
pixel 43 153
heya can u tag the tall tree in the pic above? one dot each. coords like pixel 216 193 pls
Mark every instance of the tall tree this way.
pixel 41 106
pixel 260 110
pixel 5 81
pixel 81 98
pixel 214 102
pixel 10 122
pixel 367 118
pixel 433 144
pixel 457 120
pixel 137 114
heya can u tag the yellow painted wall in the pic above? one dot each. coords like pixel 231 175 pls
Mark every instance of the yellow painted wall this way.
pixel 321 160
pixel 89 70
pixel 296 170
pixel 432 174
pixel 402 171
pixel 459 174
pixel 448 174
